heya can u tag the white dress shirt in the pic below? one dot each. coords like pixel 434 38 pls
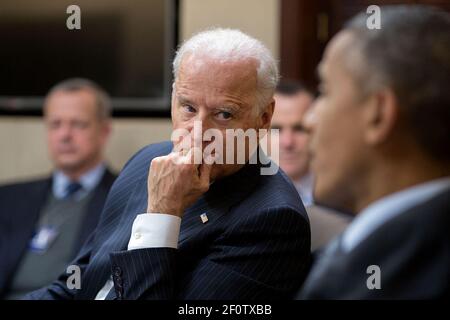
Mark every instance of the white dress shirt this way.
pixel 150 230
pixel 304 188
pixel 387 208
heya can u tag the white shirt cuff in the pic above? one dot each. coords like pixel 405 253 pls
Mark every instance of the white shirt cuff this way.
pixel 155 230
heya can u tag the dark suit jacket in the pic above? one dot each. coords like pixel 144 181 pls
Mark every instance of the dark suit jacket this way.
pixel 20 205
pixel 256 243
pixel 412 251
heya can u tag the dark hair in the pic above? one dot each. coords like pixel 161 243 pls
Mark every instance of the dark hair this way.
pixel 104 108
pixel 411 55
pixel 291 87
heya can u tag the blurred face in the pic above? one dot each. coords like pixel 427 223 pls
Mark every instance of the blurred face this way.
pixel 288 119
pixel 339 156
pixel 222 95
pixel 75 135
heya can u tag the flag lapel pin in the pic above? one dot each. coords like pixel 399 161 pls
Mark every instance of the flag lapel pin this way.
pixel 204 217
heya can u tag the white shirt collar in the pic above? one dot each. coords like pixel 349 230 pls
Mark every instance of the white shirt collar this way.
pixel 89 181
pixel 388 208
pixel 304 188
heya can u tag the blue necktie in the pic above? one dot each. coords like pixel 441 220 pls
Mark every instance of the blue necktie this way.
pixel 72 188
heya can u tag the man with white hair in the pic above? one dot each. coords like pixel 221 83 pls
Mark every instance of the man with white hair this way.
pixel 187 230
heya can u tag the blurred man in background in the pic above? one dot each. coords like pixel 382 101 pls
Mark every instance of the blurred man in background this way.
pixel 292 103
pixel 46 221
pixel 380 148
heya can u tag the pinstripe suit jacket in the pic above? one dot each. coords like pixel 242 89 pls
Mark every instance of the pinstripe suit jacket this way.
pixel 256 244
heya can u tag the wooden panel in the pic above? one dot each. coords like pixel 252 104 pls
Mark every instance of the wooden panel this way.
pixel 307 26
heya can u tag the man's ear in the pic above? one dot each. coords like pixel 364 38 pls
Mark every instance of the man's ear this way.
pixel 106 129
pixel 266 116
pixel 381 116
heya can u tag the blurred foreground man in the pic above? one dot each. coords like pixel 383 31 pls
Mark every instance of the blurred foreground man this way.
pixel 292 103
pixel 380 147
pixel 176 229
pixel 44 223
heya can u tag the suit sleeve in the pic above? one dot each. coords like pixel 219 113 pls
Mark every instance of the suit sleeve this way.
pixel 263 256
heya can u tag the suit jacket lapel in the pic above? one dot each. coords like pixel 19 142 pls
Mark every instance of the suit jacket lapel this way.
pixel 94 209
pixel 20 228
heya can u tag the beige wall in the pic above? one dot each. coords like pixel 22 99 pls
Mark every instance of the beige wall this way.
pixel 259 18
pixel 24 151
pixel 22 139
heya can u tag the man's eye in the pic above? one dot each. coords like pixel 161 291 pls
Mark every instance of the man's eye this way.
pixel 299 128
pixel 54 124
pixel 80 125
pixel 224 115
pixel 189 108
pixel 276 127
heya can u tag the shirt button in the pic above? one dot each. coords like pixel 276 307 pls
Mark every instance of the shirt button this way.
pixel 137 235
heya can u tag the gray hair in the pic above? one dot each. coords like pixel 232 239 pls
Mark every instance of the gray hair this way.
pixel 232 45
pixel 102 98
pixel 411 55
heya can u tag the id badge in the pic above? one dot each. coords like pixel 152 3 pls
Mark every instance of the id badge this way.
pixel 43 239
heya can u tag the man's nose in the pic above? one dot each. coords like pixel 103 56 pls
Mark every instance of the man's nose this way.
pixel 197 129
pixel 286 138
pixel 65 132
